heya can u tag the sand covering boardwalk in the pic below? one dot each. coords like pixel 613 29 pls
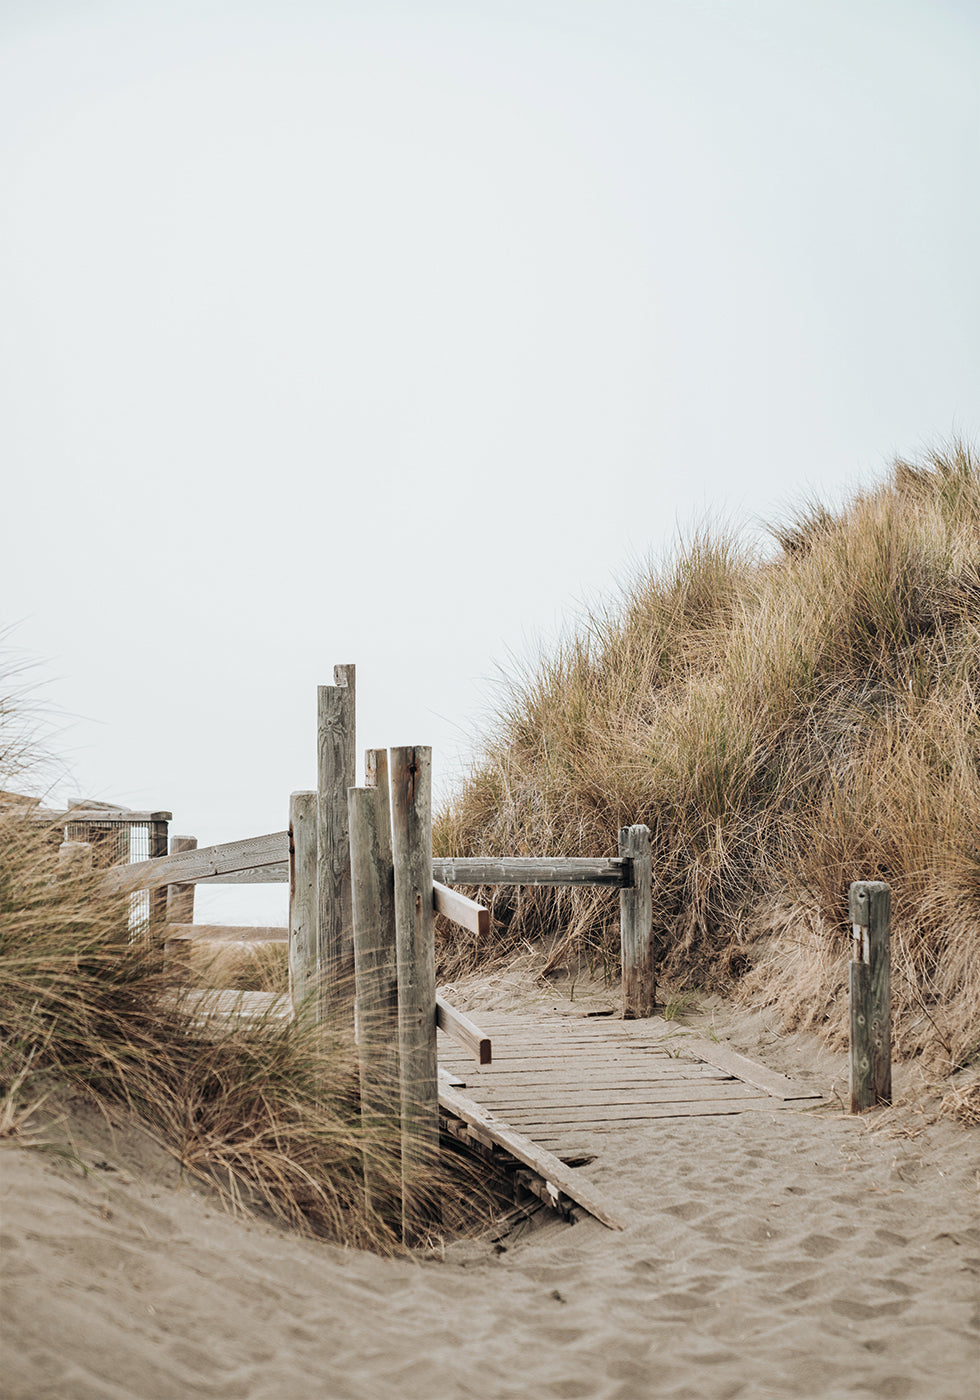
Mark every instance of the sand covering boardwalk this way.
pixel 557 1078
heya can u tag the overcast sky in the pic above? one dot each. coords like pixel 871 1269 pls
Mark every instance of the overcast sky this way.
pixel 390 333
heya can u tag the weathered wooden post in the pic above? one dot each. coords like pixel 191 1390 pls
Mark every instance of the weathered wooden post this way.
pixel 870 995
pixel 335 774
pixel 375 957
pixel 158 827
pixel 411 809
pixel 180 898
pixel 636 926
pixel 302 898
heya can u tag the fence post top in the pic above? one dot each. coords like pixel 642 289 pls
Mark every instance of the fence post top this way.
pixel 861 896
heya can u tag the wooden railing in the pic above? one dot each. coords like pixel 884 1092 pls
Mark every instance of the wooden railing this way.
pixel 363 891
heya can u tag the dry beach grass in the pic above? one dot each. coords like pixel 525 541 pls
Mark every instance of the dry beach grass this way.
pixel 785 723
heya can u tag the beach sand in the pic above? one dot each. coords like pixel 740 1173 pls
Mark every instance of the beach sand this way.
pixel 768 1255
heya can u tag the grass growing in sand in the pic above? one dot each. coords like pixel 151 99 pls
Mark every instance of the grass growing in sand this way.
pixel 268 1115
pixel 785 723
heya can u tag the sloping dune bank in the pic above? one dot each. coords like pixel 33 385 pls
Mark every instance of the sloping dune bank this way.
pixel 768 1255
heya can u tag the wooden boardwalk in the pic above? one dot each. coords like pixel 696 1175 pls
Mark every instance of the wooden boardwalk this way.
pixel 560 1080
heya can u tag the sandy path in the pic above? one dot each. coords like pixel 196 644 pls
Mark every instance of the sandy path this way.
pixel 770 1255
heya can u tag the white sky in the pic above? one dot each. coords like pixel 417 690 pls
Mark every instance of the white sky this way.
pixel 390 332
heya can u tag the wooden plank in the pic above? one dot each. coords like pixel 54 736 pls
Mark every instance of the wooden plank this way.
pixel 639 967
pixel 226 933
pixel 461 1029
pixel 94 812
pixel 180 898
pixel 560 1130
pixel 604 1100
pixel 275 874
pixel 723 1057
pixel 336 763
pixel 561 1180
pixel 232 1007
pixel 375 954
pixel 532 870
pixel 230 856
pixel 411 819
pixel 461 909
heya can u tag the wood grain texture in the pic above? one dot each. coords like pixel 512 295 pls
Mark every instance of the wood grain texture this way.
pixel 180 898
pixel 869 985
pixel 336 751
pixel 561 1180
pixel 375 953
pixel 208 861
pixel 302 900
pixel 461 909
pixel 531 870
pixel 636 926
pixel 158 843
pixel 465 1033
pixel 411 815
pixel 226 933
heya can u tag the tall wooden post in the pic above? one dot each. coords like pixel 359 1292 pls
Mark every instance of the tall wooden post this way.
pixel 335 774
pixel 870 905
pixel 180 898
pixel 302 898
pixel 636 926
pixel 375 956
pixel 159 826
pixel 411 812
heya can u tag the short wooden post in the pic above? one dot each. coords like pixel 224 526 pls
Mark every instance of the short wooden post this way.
pixel 335 774
pixel 75 857
pixel 636 926
pixel 180 898
pixel 869 983
pixel 302 898
pixel 158 847
pixel 375 958
pixel 411 809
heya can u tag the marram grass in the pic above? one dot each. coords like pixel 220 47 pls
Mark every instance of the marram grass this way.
pixel 785 722
pixel 268 1114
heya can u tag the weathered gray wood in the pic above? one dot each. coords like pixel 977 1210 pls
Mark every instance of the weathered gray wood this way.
pixel 226 933
pixel 218 1008
pixel 302 900
pixel 532 870
pixel 411 812
pixel 202 864
pixel 461 910
pixel 870 995
pixel 461 1029
pixel 100 812
pixel 600 1102
pixel 158 842
pixel 180 898
pixel 375 958
pixel 276 874
pixel 636 926
pixel 561 1180
pixel 335 775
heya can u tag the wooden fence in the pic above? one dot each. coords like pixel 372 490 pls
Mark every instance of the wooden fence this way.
pixel 363 891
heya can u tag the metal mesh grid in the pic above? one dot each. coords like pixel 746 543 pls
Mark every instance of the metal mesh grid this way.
pixel 119 841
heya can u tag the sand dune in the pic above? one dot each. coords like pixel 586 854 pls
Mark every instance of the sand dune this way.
pixel 773 1255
